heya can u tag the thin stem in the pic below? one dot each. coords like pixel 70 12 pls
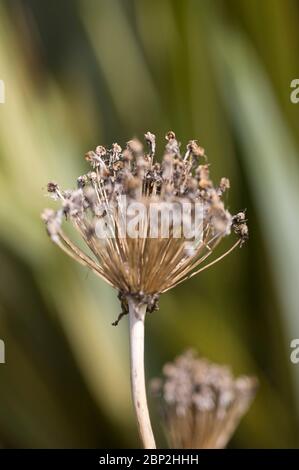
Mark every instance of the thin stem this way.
pixel 137 315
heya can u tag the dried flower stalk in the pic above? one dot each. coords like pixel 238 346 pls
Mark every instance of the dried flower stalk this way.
pixel 142 267
pixel 136 319
pixel 201 403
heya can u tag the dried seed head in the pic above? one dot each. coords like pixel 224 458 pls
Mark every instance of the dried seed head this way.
pixel 151 141
pixel 170 136
pixel 172 146
pixel 101 151
pixel 53 221
pixel 93 159
pixel 73 204
pixel 52 187
pixel 201 402
pixel 135 146
pixel 239 224
pixel 116 151
pixel 239 218
pixel 147 264
pixel 224 185
pixel 82 181
pixel 194 149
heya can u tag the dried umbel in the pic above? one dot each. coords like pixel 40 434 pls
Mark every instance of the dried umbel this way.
pixel 143 266
pixel 148 226
pixel 201 403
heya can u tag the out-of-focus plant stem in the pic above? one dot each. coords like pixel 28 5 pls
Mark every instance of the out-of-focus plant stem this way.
pixel 137 314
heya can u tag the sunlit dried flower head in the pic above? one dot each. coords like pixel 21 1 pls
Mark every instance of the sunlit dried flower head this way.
pixel 150 263
pixel 201 403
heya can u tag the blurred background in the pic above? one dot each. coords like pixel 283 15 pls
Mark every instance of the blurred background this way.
pixel 81 73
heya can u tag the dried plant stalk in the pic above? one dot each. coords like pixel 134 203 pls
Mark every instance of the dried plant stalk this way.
pixel 143 267
pixel 137 312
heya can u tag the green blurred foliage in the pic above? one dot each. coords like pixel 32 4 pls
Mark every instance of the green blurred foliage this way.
pixel 83 73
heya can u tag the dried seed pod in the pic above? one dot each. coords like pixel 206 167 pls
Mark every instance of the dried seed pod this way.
pixel 201 403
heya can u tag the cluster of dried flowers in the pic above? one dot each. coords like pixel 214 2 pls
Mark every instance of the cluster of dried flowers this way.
pixel 201 403
pixel 142 267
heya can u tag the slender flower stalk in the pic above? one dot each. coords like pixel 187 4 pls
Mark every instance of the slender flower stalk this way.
pixel 144 234
pixel 201 403
pixel 136 320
